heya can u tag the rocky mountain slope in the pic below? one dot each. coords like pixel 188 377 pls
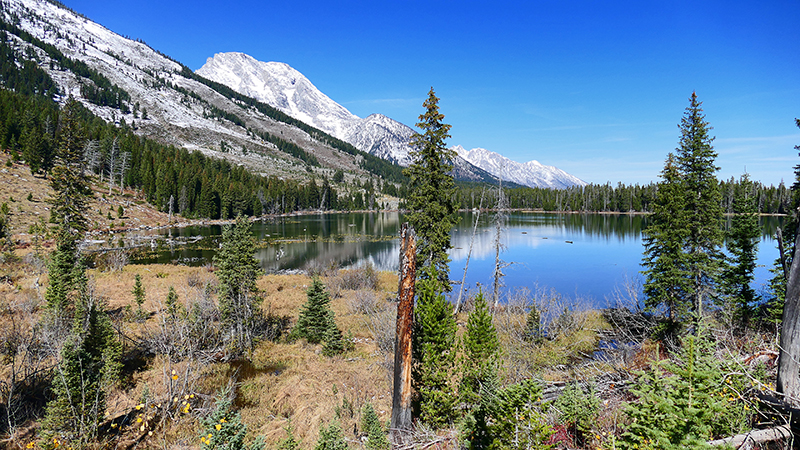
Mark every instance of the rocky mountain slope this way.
pixel 164 100
pixel 266 116
pixel 284 88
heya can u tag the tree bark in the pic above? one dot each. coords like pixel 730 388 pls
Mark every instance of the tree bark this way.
pixel 789 358
pixel 401 396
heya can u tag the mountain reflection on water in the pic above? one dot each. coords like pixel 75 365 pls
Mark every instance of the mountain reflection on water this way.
pixel 577 255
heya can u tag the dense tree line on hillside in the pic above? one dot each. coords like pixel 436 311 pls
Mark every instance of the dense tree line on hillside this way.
pixel 98 89
pixel 197 186
pixel 95 87
pixel 620 198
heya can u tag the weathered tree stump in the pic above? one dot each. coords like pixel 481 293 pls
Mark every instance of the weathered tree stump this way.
pixel 401 396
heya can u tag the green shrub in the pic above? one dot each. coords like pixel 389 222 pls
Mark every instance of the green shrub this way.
pixel 578 410
pixel 696 403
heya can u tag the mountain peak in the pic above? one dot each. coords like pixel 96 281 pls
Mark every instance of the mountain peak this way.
pixel 532 173
pixel 285 88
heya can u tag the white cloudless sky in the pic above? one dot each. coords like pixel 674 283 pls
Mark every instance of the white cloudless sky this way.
pixel 594 88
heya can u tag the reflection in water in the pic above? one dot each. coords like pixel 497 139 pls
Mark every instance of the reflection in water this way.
pixel 585 255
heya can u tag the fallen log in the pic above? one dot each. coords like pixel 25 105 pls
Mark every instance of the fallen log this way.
pixel 754 437
pixel 778 410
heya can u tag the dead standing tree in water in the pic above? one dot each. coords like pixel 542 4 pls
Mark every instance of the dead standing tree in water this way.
pixel 401 395
pixel 499 223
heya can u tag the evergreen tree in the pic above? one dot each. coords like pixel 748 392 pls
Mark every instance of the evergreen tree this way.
pixel 331 438
pixel 89 366
pixel 239 299
pixel 481 352
pixel 533 326
pixel 70 183
pixel 578 409
pixel 509 418
pixel 138 295
pixel 371 426
pixel 682 246
pixel 683 410
pixel 435 350
pixel 289 442
pixel 223 428
pixel 431 190
pixel 315 316
pixel 742 244
pixel 173 307
pixel 63 270
pixel 695 158
pixel 666 275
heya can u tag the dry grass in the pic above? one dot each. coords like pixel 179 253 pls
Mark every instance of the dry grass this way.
pixel 293 381
pixel 16 182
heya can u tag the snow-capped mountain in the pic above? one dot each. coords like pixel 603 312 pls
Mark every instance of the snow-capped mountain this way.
pixel 381 136
pixel 281 86
pixel 531 173
pixel 290 91
pixel 182 108
pixel 167 102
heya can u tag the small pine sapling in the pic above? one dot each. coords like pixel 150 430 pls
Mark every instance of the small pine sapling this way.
pixel 223 428
pixel 139 296
pixel 371 427
pixel 315 316
pixel 331 438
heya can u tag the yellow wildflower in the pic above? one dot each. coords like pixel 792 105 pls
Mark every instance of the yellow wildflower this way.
pixel 218 426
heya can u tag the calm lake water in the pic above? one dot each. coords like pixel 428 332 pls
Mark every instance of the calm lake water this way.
pixel 577 255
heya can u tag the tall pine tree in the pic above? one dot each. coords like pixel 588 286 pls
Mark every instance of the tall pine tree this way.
pixel 682 247
pixel 696 158
pixel 431 191
pixel 742 244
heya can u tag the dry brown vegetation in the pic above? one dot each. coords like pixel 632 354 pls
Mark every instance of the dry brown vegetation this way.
pixel 16 182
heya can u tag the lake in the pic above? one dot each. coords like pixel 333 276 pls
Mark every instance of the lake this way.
pixel 577 255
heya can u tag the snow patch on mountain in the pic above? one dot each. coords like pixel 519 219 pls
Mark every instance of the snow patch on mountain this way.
pixel 280 86
pixel 532 173
pixel 288 90
pixel 283 87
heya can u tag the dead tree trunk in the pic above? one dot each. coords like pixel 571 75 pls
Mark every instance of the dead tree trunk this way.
pixel 401 396
pixel 789 357
pixel 469 254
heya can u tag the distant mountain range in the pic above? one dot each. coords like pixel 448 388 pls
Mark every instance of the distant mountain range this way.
pixel 290 91
pixel 266 116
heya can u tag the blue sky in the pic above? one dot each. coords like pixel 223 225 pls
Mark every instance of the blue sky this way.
pixel 595 88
